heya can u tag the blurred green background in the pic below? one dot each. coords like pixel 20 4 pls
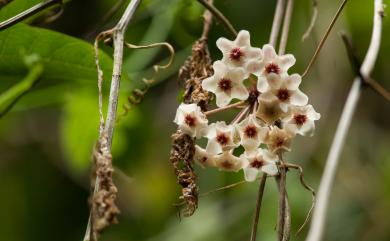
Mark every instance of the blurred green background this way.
pixel 47 138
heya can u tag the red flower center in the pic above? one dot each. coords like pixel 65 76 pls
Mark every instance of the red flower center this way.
pixel 253 94
pixel 279 141
pixel 190 120
pixel 227 164
pixel 236 54
pixel 257 163
pixel 272 68
pixel 225 84
pixel 283 94
pixel 300 119
pixel 222 139
pixel 203 160
pixel 250 131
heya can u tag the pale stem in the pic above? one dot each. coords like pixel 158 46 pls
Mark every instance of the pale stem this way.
pixel 118 38
pixel 286 27
pixel 281 180
pixel 321 207
pixel 240 116
pixel 219 16
pixel 312 21
pixel 210 112
pixel 208 19
pixel 284 220
pixel 277 22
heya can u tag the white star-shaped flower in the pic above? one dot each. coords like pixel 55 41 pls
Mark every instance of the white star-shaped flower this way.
pixel 203 158
pixel 285 90
pixel 228 162
pixel 252 134
pixel 221 137
pixel 191 120
pixel 271 64
pixel 226 84
pixel 239 53
pixel 259 161
pixel 301 120
pixel 279 140
pixel 270 111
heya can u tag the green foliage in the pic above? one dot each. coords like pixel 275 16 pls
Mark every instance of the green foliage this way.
pixel 66 65
pixel 16 7
pixel 80 110
pixel 65 58
pixel 80 128
pixel 9 97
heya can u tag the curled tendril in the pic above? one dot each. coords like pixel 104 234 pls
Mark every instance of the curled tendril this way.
pixel 101 36
pixel 312 21
pixel 137 95
pixel 307 187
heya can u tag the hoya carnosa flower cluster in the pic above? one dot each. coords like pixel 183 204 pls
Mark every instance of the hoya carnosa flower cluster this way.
pixel 276 109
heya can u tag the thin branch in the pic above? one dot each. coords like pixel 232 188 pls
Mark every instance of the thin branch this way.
pixel 287 214
pixel 118 33
pixel 319 216
pixel 236 184
pixel 118 39
pixel 240 115
pixel 282 199
pixel 105 18
pixel 219 16
pixel 312 21
pixel 208 20
pixel 356 65
pixel 28 13
pixel 286 26
pixel 284 219
pixel 258 207
pixel 378 88
pixel 307 187
pixel 210 112
pixel 324 38
pixel 278 16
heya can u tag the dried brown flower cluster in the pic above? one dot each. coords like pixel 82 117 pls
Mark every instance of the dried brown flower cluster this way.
pixel 196 68
pixel 104 210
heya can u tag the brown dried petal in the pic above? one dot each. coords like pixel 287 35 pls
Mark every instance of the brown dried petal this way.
pixel 196 68
pixel 104 210
pixel 182 158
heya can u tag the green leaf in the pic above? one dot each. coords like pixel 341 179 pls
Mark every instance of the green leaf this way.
pixel 68 76
pixel 64 57
pixel 66 60
pixel 9 97
pixel 15 7
pixel 80 129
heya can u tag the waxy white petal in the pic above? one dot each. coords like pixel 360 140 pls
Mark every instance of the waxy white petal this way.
pixel 191 120
pixel 203 158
